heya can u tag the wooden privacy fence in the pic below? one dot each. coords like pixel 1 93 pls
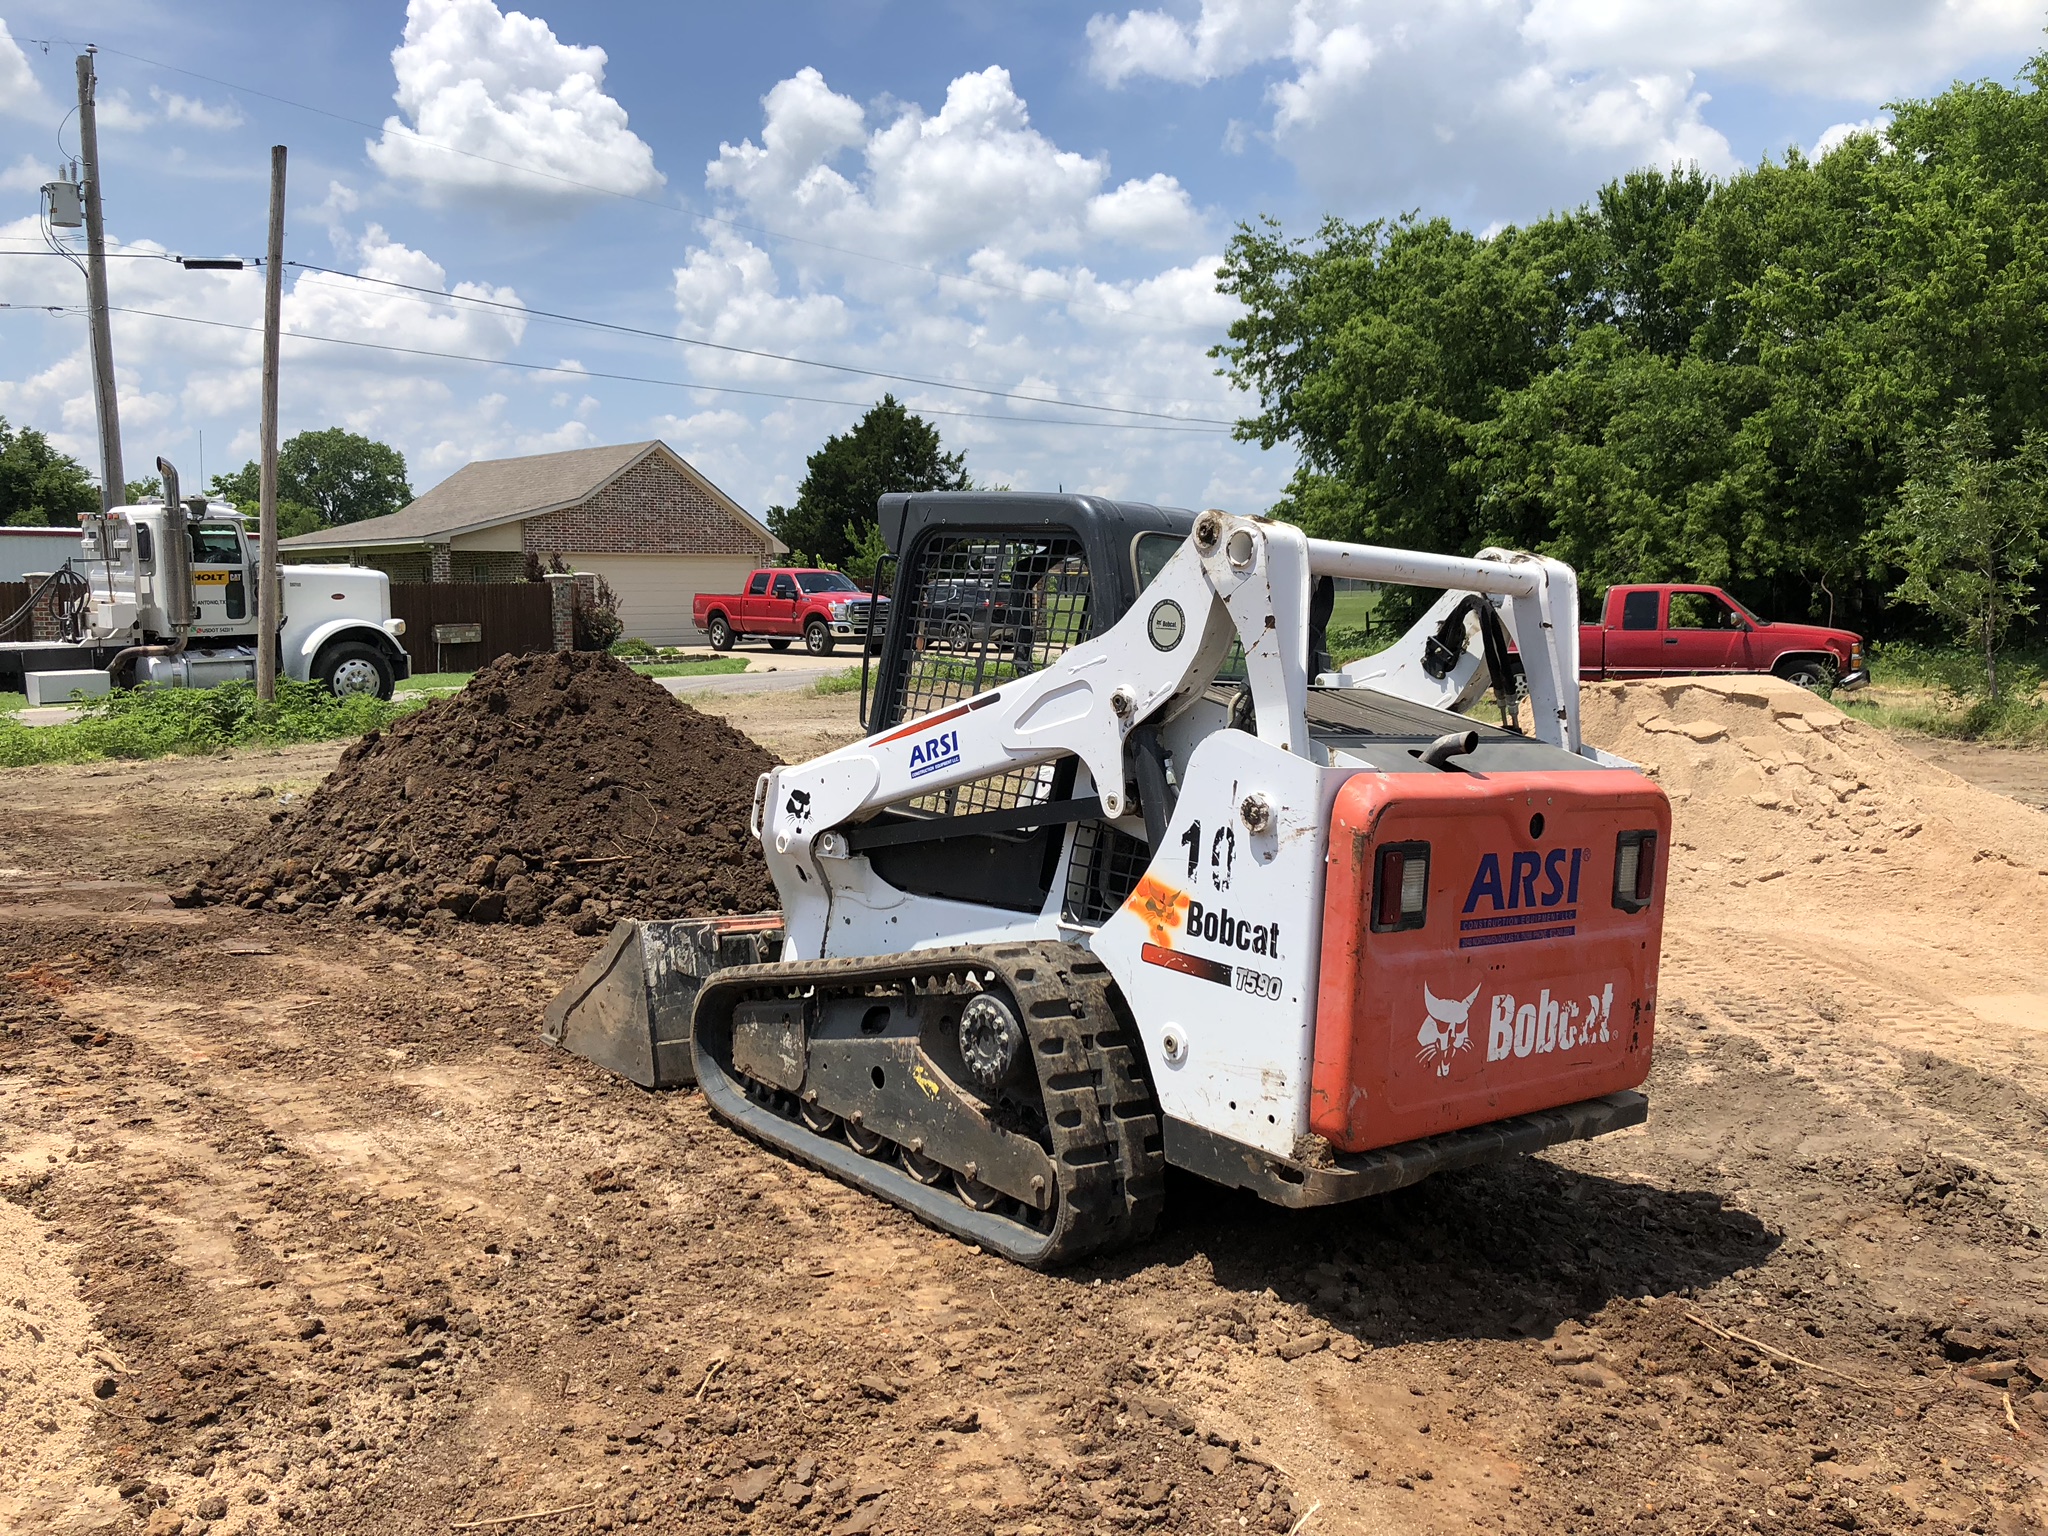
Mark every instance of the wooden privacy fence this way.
pixel 13 595
pixel 514 617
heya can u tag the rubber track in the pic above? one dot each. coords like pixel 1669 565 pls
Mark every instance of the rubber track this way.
pixel 1108 1151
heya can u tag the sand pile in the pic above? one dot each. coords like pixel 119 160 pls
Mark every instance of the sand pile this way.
pixel 562 785
pixel 1771 784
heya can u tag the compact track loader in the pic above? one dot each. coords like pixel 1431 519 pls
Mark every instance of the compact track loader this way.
pixel 1129 876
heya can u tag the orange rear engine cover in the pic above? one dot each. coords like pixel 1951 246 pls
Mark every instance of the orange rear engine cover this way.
pixel 1526 986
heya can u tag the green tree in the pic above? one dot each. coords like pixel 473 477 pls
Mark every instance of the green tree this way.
pixel 1682 377
pixel 40 487
pixel 151 488
pixel 342 476
pixel 1970 530
pixel 889 449
pixel 243 489
pixel 323 478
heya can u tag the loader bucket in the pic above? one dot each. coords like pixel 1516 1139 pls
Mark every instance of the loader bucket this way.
pixel 628 1010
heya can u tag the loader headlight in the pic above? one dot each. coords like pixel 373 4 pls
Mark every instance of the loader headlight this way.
pixel 1635 870
pixel 1400 895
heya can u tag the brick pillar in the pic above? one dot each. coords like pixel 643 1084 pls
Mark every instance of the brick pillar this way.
pixel 562 607
pixel 42 618
pixel 442 567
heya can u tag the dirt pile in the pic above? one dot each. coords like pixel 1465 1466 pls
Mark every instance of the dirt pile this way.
pixel 562 785
pixel 1770 784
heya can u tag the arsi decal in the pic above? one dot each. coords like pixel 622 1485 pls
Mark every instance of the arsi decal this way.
pixel 939 750
pixel 1528 911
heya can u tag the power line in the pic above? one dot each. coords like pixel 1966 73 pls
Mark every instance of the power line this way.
pixel 628 378
pixel 441 296
pixel 602 191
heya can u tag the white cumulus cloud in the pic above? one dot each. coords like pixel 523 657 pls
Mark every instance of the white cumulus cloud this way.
pixel 21 94
pixel 1484 107
pixel 1008 262
pixel 1833 138
pixel 522 115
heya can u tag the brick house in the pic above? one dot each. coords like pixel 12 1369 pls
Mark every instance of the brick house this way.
pixel 636 514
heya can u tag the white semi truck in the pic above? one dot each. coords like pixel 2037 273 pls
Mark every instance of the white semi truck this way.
pixel 164 592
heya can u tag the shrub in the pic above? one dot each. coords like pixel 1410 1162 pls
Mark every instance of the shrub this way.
pixel 635 650
pixel 598 625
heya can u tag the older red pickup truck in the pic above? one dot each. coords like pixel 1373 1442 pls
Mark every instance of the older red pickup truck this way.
pixel 1655 631
pixel 781 603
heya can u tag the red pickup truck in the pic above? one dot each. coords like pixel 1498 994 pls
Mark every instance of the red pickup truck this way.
pixel 1655 631
pixel 782 603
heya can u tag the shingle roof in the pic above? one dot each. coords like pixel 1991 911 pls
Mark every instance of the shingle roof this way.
pixel 493 491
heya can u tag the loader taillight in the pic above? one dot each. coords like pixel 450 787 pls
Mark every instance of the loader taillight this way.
pixel 1401 888
pixel 1635 870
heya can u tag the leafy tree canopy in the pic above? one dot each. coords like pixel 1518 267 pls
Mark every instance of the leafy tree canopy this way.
pixel 40 487
pixel 1683 378
pixel 889 449
pixel 323 478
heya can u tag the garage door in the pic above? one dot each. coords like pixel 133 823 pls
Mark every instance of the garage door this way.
pixel 655 590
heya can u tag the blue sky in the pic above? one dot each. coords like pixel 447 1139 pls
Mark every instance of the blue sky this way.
pixel 1026 199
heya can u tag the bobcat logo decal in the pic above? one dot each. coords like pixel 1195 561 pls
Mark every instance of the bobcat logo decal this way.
pixel 1445 1032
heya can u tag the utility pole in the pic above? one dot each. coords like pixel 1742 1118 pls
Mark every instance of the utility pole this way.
pixel 113 487
pixel 266 537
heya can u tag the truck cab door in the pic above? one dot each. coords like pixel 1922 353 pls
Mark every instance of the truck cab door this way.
pixel 1702 633
pixel 753 604
pixel 783 599
pixel 223 585
pixel 1635 647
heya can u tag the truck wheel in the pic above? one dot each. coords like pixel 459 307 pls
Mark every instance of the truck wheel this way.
pixel 1809 672
pixel 959 633
pixel 353 668
pixel 779 645
pixel 818 638
pixel 720 632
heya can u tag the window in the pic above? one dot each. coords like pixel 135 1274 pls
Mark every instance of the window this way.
pixel 216 546
pixel 825 581
pixel 1149 554
pixel 1700 610
pixel 785 588
pixel 145 547
pixel 758 587
pixel 984 608
pixel 1639 610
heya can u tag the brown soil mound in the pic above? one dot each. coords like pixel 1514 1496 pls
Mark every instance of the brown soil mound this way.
pixel 561 785
pixel 1775 791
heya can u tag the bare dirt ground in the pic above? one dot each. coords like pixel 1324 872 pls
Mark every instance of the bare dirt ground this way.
pixel 302 1230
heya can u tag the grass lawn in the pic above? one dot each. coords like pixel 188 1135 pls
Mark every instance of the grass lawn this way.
pixel 1353 610
pixel 10 702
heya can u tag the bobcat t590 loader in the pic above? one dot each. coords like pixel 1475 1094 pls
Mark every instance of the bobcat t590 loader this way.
pixel 1130 876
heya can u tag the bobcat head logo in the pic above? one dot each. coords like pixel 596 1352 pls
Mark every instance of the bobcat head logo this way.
pixel 1445 1032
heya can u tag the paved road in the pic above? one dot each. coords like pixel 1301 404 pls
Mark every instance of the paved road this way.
pixel 768 673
